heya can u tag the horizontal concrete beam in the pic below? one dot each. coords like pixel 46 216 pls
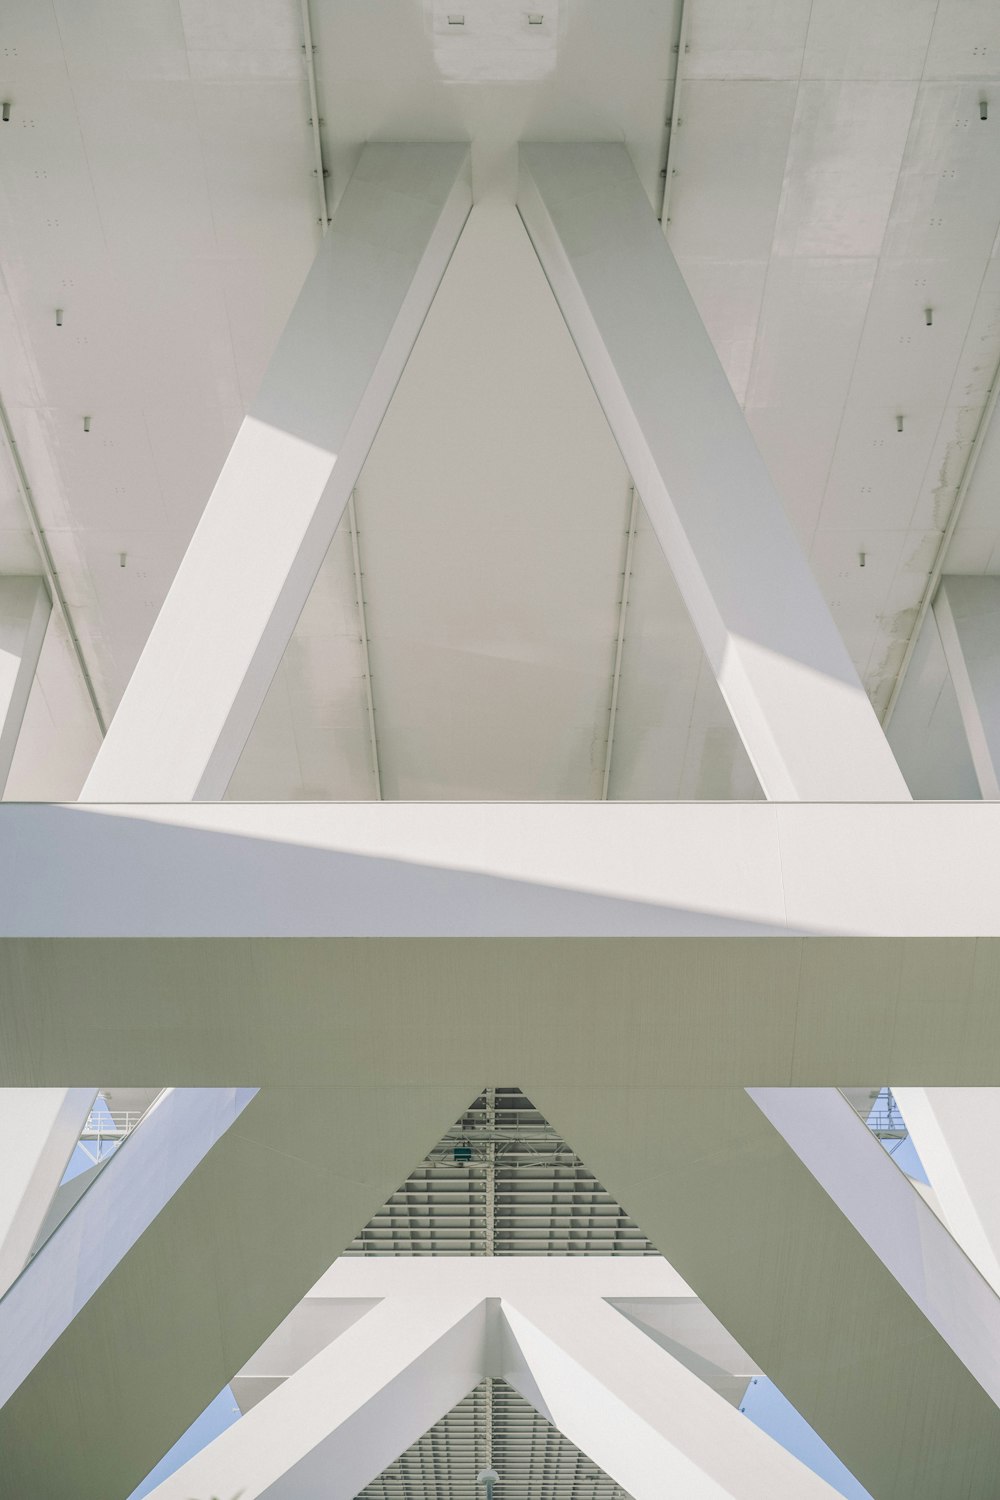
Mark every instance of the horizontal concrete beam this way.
pixel 633 1012
pixel 500 869
pixel 398 944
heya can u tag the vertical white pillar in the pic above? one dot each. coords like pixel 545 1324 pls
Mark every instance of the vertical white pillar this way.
pixel 24 616
pixel 194 695
pixel 956 1133
pixel 967 611
pixel 38 1130
pixel 648 1422
pixel 781 665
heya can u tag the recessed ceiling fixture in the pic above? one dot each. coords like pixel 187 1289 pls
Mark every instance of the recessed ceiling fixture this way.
pixel 535 18
pixel 6 110
pixel 456 20
pixel 59 316
pixel 928 316
pixel 862 556
pixel 899 424
pixel 86 424
pixel 984 109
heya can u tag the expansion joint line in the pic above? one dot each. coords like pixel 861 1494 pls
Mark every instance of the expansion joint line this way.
pixel 616 675
pixel 48 563
pixel 674 123
pixel 319 169
pixel 359 590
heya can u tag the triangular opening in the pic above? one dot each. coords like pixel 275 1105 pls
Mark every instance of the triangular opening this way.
pixel 484 578
pixel 493 1427
pixel 501 1181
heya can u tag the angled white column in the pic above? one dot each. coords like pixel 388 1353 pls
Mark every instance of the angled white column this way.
pixel 648 1422
pixel 967 612
pixel 245 578
pixel 783 669
pixel 956 1133
pixel 333 1426
pixel 890 1215
pixel 122 1202
pixel 24 615
pixel 39 1129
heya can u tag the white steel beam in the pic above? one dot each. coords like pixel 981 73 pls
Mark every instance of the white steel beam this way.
pixel 818 941
pixel 24 616
pixel 782 667
pixel 890 1215
pixel 193 698
pixel 123 1201
pixel 333 1426
pixel 719 1191
pixel 648 1422
pixel 956 1133
pixel 967 612
pixel 38 1129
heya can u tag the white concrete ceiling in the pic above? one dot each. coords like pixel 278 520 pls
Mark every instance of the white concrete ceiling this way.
pixel 831 178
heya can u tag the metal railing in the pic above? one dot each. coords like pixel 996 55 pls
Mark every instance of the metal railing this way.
pixel 105 1130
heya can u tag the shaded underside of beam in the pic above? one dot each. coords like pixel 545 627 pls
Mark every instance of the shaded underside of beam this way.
pixel 640 1011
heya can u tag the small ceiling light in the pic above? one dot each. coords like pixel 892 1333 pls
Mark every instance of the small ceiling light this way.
pixel 6 110
pixel 536 18
pixel 928 316
pixel 456 20
pixel 86 424
pixel 59 313
pixel 122 556
pixel 984 109
pixel 899 424
pixel 861 559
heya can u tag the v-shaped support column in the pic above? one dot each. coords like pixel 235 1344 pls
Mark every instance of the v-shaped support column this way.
pixel 245 578
pixel 780 662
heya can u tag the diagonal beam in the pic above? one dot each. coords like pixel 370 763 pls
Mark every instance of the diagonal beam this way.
pixel 339 1420
pixel 955 1132
pixel 648 1422
pixel 781 665
pixel 24 618
pixel 39 1129
pixel 245 578
pixel 239 1242
pixel 722 1195
pixel 892 1218
pixel 124 1199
